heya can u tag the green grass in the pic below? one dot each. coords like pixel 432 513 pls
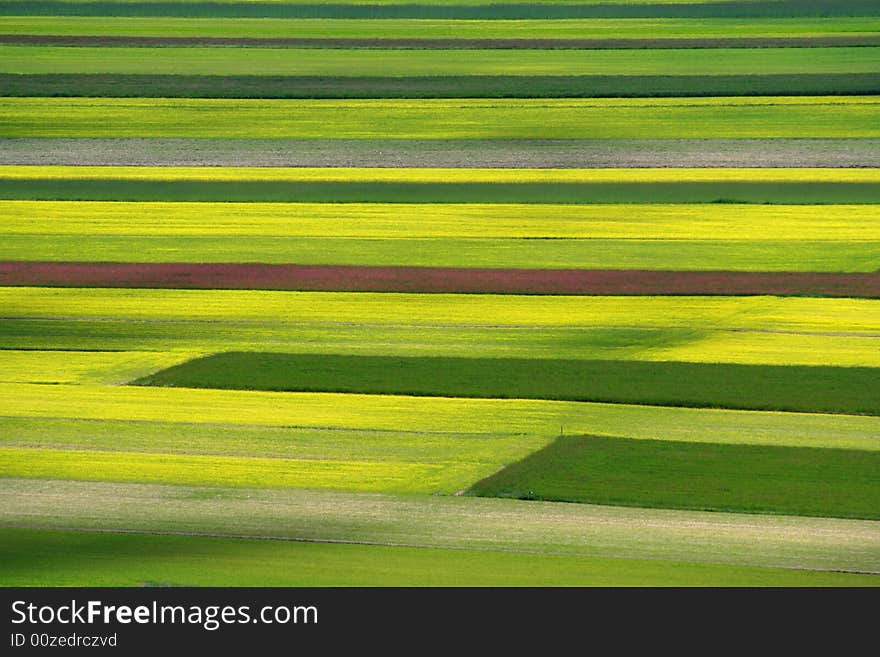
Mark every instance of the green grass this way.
pixel 829 117
pixel 441 29
pixel 537 420
pixel 447 521
pixel 52 558
pixel 278 442
pixel 471 86
pixel 596 28
pixel 562 253
pixel 344 192
pixel 665 474
pixel 408 63
pixel 760 387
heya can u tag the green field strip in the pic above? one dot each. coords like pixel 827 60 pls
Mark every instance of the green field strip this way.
pixel 835 41
pixel 464 10
pixel 337 309
pixel 444 153
pixel 447 521
pixel 256 472
pixel 422 2
pixel 634 253
pixel 58 558
pixel 597 28
pixel 757 347
pixel 794 117
pixel 775 388
pixel 545 419
pixel 470 86
pixel 722 222
pixel 658 474
pixel 110 368
pixel 438 450
pixel 169 60
pixel 406 192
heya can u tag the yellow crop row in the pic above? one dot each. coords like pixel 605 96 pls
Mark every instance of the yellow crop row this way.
pixel 344 308
pixel 427 175
pixel 380 220
pixel 439 415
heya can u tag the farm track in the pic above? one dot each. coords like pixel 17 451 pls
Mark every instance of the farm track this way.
pixel 341 278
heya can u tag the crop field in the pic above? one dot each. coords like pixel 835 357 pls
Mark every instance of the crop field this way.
pixel 670 118
pixel 452 293
pixel 829 389
pixel 719 477
pixel 610 32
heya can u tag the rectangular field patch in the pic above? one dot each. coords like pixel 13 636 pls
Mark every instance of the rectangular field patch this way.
pixel 711 477
pixel 776 388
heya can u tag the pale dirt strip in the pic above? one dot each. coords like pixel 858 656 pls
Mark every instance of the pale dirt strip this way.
pixel 444 153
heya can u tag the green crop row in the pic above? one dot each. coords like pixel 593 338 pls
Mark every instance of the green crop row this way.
pixel 816 117
pixel 596 28
pixel 658 474
pixel 786 388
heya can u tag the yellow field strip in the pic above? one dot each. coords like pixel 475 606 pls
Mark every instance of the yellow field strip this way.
pixel 458 175
pixel 439 415
pixel 469 220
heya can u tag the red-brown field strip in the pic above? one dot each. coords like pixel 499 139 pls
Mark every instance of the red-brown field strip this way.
pixel 350 278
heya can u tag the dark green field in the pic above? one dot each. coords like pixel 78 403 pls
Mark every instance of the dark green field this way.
pixel 471 86
pixel 795 481
pixel 789 193
pixel 759 387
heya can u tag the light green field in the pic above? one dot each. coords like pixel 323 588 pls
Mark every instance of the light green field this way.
pixel 303 444
pixel 451 416
pixel 169 60
pixel 597 28
pixel 755 330
pixel 789 314
pixel 720 236
pixel 563 253
pixel 446 521
pixel 255 472
pixel 769 117
pixel 46 558
pixel 108 368
pixel 655 344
